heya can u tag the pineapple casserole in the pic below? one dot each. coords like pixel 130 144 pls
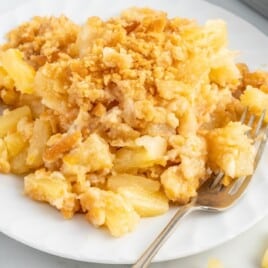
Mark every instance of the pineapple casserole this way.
pixel 118 119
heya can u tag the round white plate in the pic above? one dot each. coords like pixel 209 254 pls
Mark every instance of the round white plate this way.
pixel 43 228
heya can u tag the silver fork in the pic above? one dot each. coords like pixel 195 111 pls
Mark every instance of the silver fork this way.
pixel 212 195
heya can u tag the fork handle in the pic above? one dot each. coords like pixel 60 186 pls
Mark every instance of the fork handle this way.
pixel 146 258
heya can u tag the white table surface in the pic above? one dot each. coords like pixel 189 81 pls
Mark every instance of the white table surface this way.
pixel 245 251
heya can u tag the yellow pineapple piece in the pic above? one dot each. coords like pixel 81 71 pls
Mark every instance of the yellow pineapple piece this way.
pixel 192 151
pixel 25 128
pixel 181 182
pixel 256 100
pixel 128 159
pixel 41 133
pixel 121 218
pixel 148 151
pixel 215 34
pixel 7 93
pixel 226 180
pixel 53 188
pixel 9 97
pixel 18 69
pixel 211 38
pixel 15 143
pixel 4 164
pixel 93 202
pixel 34 103
pixel 224 71
pixel 5 80
pixel 109 209
pixel 144 194
pixel 126 180
pixel 231 150
pixel 9 121
pixel 146 203
pixel 177 187
pixel 49 84
pixel 91 155
pixel 155 146
pixel 18 162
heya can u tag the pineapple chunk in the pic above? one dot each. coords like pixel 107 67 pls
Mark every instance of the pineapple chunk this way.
pixel 181 182
pixel 177 187
pixel 49 84
pixel 148 152
pixel 9 121
pixel 5 80
pixel 212 38
pixel 15 143
pixel 142 193
pixel 18 163
pixel 53 188
pixel 146 203
pixel 34 103
pixel 128 159
pixel 25 128
pixel 4 164
pixel 226 180
pixel 192 151
pixel 155 146
pixel 231 150
pixel 264 263
pixel 256 100
pixel 121 218
pixel 215 34
pixel 109 209
pixel 41 133
pixel 20 71
pixel 91 155
pixel 224 71
pixel 93 202
pixel 7 93
pixel 126 180
pixel 9 97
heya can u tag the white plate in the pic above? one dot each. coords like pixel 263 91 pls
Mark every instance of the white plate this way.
pixel 43 228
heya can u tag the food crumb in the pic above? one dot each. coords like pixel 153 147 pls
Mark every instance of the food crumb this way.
pixel 264 263
pixel 215 263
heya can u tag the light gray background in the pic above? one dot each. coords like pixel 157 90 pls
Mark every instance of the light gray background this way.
pixel 244 251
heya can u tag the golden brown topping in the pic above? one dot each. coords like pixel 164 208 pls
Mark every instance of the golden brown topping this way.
pixel 43 39
pixel 60 144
